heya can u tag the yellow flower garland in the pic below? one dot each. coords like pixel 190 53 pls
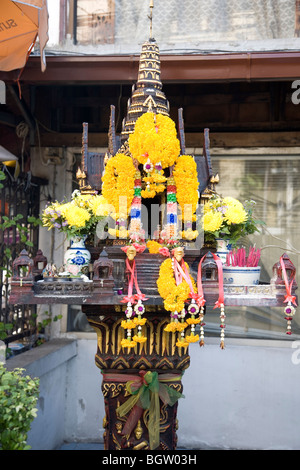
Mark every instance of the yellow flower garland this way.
pixel 118 181
pixel 154 139
pixel 153 246
pixel 174 296
pixel 186 180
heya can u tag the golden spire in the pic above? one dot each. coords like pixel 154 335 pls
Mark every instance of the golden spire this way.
pixel 150 16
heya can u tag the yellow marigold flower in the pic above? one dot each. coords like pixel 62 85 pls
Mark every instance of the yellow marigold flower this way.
pixel 182 344
pixel 174 296
pixel 148 193
pixel 192 338
pixel 128 324
pixel 154 138
pixel 126 343
pixel 139 339
pixel 158 178
pixel 139 321
pixel 235 215
pixel 171 327
pixel 181 326
pixel 118 233
pixel 186 180
pixel 193 321
pixel 189 234
pixel 153 246
pixel 212 221
pixel 118 182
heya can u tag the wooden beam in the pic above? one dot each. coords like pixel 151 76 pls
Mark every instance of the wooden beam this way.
pixel 194 140
pixel 283 65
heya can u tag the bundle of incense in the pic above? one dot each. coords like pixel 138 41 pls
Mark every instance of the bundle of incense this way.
pixel 238 257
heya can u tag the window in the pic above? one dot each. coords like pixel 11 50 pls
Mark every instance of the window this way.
pixel 272 181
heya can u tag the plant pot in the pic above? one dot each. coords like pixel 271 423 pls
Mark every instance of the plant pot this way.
pixel 241 276
pixel 77 258
pixel 223 248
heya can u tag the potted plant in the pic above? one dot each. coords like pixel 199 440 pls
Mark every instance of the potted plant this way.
pixel 18 398
pixel 78 219
pixel 225 220
pixel 242 269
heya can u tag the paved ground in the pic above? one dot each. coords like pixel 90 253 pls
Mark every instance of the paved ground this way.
pixel 86 446
pixel 82 446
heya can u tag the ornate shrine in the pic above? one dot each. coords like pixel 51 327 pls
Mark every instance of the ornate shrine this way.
pixel 142 349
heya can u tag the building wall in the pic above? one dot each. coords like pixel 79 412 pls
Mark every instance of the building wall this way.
pixel 245 397
pixel 242 397
pixel 119 26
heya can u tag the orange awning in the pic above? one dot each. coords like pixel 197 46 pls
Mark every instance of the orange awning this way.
pixel 21 22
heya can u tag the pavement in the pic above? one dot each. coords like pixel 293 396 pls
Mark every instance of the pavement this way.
pixel 86 446
pixel 82 446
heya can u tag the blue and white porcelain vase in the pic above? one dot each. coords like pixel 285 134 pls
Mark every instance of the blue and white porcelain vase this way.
pixel 77 257
pixel 223 248
pixel 241 275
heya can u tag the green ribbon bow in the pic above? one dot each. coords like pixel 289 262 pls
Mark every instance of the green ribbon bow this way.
pixel 146 391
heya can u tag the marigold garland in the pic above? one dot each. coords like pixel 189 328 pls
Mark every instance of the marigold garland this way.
pixel 118 182
pixel 175 297
pixel 135 308
pixel 186 180
pixel 136 231
pixel 154 139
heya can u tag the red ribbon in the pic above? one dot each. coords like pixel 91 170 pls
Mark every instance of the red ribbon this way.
pixel 288 286
pixel 220 300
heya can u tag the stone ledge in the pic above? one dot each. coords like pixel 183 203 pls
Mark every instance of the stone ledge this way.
pixel 42 359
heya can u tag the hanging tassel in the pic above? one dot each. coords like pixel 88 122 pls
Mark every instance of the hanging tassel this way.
pixel 202 324
pixel 289 298
pixel 222 326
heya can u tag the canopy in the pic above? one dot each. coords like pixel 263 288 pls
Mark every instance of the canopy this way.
pixel 21 22
pixel 6 156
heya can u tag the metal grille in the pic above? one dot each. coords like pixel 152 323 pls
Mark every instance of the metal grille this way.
pixel 16 197
pixel 189 25
pixel 175 21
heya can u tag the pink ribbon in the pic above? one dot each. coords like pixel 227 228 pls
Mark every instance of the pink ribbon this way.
pixel 288 286
pixel 181 272
pixel 132 280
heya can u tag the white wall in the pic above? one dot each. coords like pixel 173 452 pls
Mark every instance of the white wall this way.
pixel 53 22
pixel 85 403
pixel 243 397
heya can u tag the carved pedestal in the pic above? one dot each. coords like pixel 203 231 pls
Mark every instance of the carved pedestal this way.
pixel 120 365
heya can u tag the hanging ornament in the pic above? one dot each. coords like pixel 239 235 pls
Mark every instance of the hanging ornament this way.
pixel 219 303
pixel 289 309
pixel 171 226
pixel 135 308
pixel 136 231
pixel 202 324
pixel 176 287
